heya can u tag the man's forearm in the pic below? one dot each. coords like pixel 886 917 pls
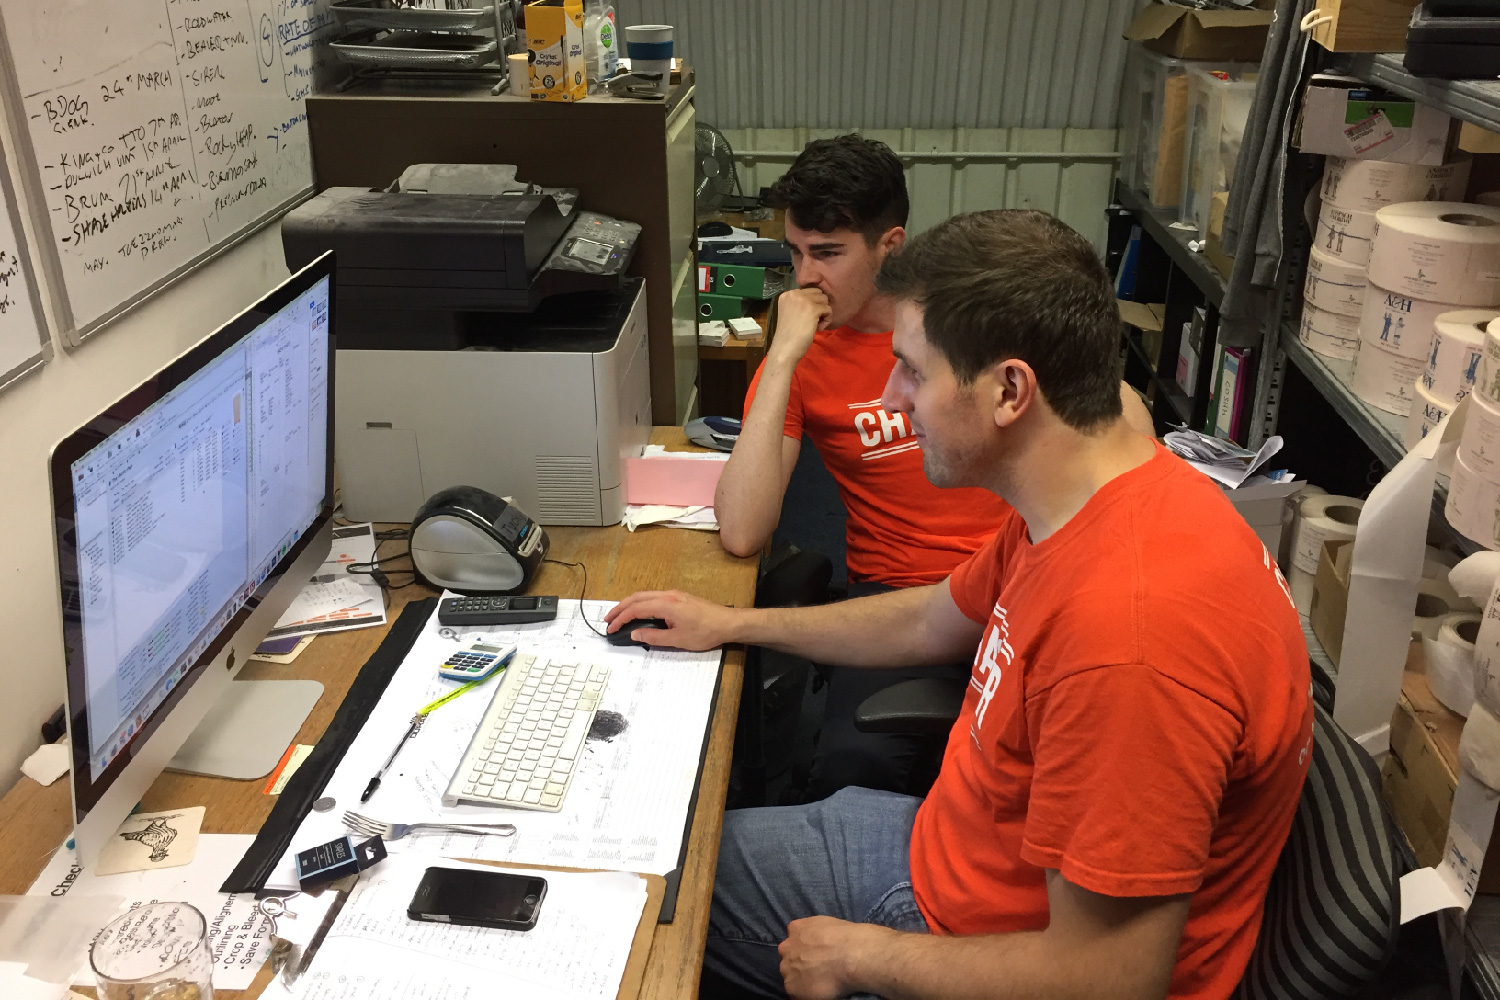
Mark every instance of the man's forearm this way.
pixel 882 630
pixel 747 501
pixel 901 966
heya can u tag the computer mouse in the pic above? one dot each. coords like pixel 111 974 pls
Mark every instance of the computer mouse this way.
pixel 622 636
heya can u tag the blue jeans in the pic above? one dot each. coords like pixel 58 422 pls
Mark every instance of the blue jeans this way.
pixel 846 856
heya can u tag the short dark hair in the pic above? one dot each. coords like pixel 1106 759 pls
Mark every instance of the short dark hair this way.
pixel 1017 284
pixel 847 182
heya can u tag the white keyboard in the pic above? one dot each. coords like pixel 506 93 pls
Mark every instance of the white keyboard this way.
pixel 525 749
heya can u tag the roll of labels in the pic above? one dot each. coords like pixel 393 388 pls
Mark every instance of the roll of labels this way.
pixel 1449 659
pixel 1400 324
pixel 1345 233
pixel 1473 507
pixel 1369 185
pixel 1385 379
pixel 1487 380
pixel 1334 285
pixel 1427 411
pixel 1453 363
pixel 1458 339
pixel 1396 333
pixel 1479 446
pixel 1330 334
pixel 1438 252
pixel 1319 519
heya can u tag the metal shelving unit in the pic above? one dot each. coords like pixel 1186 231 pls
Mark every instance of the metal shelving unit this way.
pixel 1477 101
pixel 1170 390
pixel 1157 224
pixel 1380 431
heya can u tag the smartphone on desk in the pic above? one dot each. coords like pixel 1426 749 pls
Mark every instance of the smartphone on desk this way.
pixel 478 898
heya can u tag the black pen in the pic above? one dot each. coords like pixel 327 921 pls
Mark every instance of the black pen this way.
pixel 416 724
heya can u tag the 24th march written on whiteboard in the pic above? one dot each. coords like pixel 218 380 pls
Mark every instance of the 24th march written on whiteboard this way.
pixel 161 128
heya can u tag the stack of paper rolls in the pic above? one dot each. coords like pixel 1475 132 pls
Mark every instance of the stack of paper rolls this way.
pixel 1334 295
pixel 1474 490
pixel 1458 340
pixel 1427 259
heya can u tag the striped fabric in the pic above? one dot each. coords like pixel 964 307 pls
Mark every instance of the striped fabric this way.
pixel 1333 906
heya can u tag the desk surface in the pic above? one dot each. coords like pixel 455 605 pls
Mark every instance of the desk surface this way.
pixel 36 819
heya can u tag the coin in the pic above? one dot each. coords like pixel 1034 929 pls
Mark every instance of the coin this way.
pixel 324 804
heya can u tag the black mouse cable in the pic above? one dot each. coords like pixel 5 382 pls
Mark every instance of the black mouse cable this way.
pixel 581 591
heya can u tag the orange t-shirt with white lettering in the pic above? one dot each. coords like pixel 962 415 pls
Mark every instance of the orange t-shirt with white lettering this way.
pixel 901 530
pixel 1137 718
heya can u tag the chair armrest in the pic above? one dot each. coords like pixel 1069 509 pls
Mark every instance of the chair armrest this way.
pixel 927 705
pixel 800 579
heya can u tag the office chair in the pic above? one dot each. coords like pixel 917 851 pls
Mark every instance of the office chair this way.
pixel 930 705
pixel 1333 907
pixel 790 578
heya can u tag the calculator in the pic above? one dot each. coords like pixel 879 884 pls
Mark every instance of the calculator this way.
pixel 476 661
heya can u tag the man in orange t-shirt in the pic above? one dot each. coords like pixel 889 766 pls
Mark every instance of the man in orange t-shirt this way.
pixel 845 202
pixel 1137 726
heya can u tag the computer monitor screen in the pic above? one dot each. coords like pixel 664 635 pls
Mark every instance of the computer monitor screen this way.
pixel 177 508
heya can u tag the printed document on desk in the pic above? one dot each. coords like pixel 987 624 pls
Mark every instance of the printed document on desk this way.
pixel 374 951
pixel 627 807
pixel 335 600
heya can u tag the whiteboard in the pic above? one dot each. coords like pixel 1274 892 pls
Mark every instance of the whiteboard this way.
pixel 160 131
pixel 23 336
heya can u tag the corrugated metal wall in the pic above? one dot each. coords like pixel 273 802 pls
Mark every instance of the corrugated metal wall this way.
pixel 1063 171
pixel 881 64
pixel 1036 77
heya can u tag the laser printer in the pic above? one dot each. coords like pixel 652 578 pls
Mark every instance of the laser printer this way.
pixel 487 335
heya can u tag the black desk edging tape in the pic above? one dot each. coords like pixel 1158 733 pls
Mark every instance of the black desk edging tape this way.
pixel 312 777
pixel 674 877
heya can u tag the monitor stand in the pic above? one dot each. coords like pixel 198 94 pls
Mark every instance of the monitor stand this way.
pixel 248 730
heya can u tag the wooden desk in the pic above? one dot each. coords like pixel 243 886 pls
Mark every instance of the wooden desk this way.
pixel 34 820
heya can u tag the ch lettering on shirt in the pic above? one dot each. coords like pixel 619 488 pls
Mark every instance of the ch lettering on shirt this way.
pixel 987 665
pixel 883 434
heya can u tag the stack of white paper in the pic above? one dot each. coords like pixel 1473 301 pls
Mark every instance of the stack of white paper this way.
pixel 626 809
pixel 374 951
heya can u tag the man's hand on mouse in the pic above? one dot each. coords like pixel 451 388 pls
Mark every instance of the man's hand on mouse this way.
pixel 692 622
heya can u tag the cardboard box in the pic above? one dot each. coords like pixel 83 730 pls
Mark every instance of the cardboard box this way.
pixel 1419 776
pixel 1341 116
pixel 1153 125
pixel 1330 603
pixel 1202 34
pixel 1213 247
pixel 1362 25
pixel 1147 317
pixel 554 34
pixel 1473 139
pixel 1264 507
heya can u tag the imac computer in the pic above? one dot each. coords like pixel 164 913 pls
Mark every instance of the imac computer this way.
pixel 188 515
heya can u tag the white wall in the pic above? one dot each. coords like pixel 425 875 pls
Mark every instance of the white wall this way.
pixel 48 405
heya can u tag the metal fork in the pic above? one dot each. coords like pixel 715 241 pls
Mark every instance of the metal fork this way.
pixel 366 826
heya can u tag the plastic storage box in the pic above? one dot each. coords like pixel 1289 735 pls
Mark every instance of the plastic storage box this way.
pixel 1218 107
pixel 1153 120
